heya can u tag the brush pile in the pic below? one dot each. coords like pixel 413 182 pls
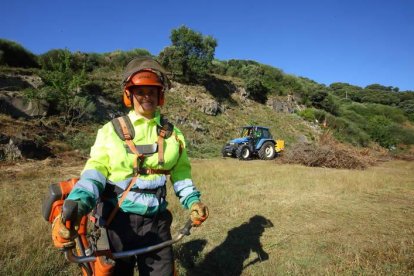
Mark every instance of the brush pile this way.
pixel 329 153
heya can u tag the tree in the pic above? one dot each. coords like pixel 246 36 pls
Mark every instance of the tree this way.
pixel 63 89
pixel 190 55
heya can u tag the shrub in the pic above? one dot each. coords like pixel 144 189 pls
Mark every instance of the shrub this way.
pixel 308 114
pixel 81 141
pixel 347 131
pixel 63 89
pixel 119 59
pixel 257 91
pixel 14 55
pixel 402 135
pixel 380 128
pixel 369 110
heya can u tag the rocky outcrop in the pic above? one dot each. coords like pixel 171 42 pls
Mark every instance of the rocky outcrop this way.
pixel 13 148
pixel 12 100
pixel 16 105
pixel 206 105
pixel 106 110
pixel 287 104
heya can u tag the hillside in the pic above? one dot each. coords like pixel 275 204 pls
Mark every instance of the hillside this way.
pixel 64 97
pixel 207 120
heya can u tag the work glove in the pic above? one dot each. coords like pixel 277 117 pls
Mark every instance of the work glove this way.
pixel 63 237
pixel 199 213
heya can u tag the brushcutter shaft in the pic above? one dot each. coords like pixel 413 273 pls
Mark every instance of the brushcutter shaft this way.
pixel 185 231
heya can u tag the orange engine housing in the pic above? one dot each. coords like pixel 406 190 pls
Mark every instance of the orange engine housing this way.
pixel 58 192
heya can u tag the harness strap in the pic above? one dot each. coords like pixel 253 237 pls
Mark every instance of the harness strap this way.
pixel 160 192
pixel 160 143
pixel 145 171
pixel 123 126
pixel 180 150
pixel 118 205
pixel 128 140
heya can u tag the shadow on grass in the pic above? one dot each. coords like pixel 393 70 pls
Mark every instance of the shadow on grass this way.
pixel 228 257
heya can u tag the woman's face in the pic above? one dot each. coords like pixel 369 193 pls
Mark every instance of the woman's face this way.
pixel 145 100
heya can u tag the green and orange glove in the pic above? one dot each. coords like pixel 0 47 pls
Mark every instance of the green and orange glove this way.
pixel 65 232
pixel 199 213
pixel 62 237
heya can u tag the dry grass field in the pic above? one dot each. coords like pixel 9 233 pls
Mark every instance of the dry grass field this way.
pixel 265 219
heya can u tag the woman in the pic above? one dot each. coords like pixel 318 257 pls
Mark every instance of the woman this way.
pixel 127 170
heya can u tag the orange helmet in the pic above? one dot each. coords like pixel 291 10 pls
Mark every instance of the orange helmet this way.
pixel 144 71
pixel 145 77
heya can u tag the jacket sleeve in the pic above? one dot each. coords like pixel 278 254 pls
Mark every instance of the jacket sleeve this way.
pixel 181 177
pixel 93 177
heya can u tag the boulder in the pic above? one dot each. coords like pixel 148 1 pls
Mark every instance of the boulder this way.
pixel 16 105
pixel 19 82
pixel 286 104
pixel 210 107
pixel 18 148
pixel 106 110
pixel 13 102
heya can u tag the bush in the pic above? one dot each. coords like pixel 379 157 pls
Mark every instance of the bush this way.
pixel 308 114
pixel 380 128
pixel 81 141
pixel 257 91
pixel 119 59
pixel 64 89
pixel 347 131
pixel 402 135
pixel 14 55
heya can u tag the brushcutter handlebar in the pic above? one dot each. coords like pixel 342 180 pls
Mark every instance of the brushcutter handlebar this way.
pixel 185 231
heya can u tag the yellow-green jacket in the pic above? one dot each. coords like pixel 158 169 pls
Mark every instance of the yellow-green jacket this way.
pixel 111 164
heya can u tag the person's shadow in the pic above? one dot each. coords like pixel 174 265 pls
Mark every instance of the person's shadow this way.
pixel 228 257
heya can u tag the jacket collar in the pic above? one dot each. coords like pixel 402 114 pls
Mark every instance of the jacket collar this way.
pixel 139 118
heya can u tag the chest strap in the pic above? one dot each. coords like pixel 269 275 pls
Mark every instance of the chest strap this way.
pixel 125 131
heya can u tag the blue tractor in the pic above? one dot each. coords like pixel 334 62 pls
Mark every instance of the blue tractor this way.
pixel 254 141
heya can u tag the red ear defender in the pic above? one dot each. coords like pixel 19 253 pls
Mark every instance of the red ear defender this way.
pixel 146 77
pixel 127 98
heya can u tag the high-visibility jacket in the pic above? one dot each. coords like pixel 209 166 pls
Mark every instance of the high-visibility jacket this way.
pixel 111 164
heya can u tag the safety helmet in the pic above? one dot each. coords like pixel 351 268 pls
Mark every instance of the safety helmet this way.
pixel 144 71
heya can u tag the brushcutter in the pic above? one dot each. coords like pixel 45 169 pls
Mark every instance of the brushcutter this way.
pixel 91 249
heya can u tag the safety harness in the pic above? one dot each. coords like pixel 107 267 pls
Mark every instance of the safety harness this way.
pixel 125 131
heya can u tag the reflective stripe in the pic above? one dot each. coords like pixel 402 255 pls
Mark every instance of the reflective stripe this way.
pixel 88 186
pixel 143 199
pixel 181 184
pixel 142 183
pixel 94 175
pixel 184 188
pixel 87 179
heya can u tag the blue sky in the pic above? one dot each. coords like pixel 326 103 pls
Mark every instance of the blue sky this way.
pixel 358 42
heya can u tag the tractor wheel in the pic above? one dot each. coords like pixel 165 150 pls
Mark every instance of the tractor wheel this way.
pixel 267 151
pixel 243 152
pixel 223 152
